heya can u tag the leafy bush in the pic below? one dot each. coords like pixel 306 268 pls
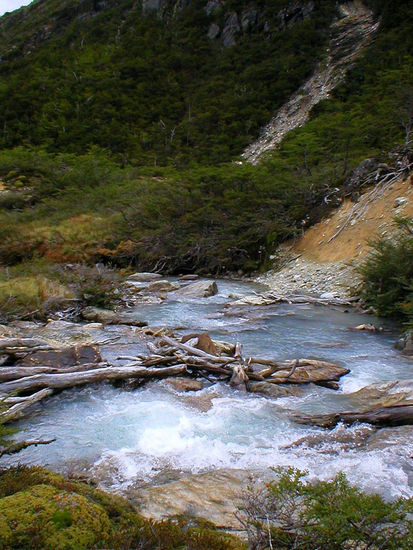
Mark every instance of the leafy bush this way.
pixel 388 277
pixel 94 286
pixel 292 512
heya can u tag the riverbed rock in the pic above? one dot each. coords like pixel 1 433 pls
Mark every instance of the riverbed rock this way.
pixel 273 390
pixel 383 394
pixel 252 300
pixel 161 286
pixel 184 384
pixel 108 317
pixel 144 277
pixel 307 371
pixel 210 495
pixel 200 289
pixel 189 277
pixel 63 358
pixel 202 342
pixel 367 327
pixel 405 344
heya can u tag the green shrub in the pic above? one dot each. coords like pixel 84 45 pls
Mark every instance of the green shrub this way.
pixel 388 277
pixel 292 512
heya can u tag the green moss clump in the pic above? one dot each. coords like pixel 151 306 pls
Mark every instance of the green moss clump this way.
pixel 39 517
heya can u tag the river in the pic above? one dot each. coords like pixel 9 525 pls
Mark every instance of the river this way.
pixel 126 438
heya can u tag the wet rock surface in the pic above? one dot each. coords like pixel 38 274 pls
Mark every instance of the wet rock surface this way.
pixel 201 289
pixel 212 495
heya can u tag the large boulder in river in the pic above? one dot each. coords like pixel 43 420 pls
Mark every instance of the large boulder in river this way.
pixel 161 286
pixel 200 289
pixel 306 371
pixel 144 277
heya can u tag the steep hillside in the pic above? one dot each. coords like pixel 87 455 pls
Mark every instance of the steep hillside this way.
pixel 122 123
pixel 153 82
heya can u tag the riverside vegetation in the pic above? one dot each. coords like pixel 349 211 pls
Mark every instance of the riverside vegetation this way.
pixel 120 140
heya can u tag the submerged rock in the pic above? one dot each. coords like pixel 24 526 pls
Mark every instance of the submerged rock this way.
pixel 273 390
pixel 200 289
pixel 184 384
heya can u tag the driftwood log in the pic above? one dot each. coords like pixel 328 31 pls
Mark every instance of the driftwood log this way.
pixel 17 447
pixel 16 410
pixel 398 415
pixel 70 380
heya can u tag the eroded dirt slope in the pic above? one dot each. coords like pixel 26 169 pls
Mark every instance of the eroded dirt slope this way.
pixel 324 258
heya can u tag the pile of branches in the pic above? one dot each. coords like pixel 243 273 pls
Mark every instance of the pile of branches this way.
pixel 224 362
pixel 22 385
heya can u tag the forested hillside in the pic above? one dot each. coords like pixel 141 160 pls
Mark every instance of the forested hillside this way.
pixel 122 125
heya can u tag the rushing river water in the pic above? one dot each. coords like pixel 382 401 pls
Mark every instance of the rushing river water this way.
pixel 125 438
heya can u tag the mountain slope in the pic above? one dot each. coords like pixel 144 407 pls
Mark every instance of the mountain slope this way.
pixel 120 129
pixel 152 86
pixel 350 34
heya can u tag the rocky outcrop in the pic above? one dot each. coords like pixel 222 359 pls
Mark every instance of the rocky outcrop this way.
pixel 295 13
pixel 349 35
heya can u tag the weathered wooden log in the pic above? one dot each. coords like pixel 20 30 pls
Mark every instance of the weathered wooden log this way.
pixel 398 415
pixel 14 373
pixel 62 381
pixel 239 378
pixel 27 343
pixel 189 349
pixel 17 447
pixel 17 371
pixel 17 410
pixel 270 298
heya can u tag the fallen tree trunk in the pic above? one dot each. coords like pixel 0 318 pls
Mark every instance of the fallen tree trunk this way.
pixel 17 447
pixel 16 411
pixel 14 373
pixel 398 415
pixel 63 381
pixel 17 372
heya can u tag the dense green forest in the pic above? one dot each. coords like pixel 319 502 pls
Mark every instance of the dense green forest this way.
pixel 121 131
